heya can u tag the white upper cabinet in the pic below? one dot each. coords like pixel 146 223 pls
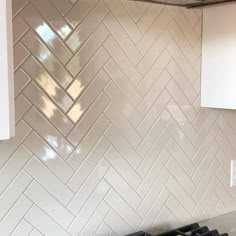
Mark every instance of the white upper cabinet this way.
pixel 7 120
pixel 218 85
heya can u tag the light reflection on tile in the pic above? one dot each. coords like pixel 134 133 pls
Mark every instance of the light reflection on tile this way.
pixel 45 56
pixel 47 83
pixel 56 20
pixel 46 33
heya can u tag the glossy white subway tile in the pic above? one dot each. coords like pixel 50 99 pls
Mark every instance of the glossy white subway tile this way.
pixel 110 134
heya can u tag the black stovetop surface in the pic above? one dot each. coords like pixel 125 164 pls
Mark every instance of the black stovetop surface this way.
pixel 189 230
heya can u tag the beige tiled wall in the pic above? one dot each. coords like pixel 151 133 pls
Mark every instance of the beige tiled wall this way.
pixel 111 138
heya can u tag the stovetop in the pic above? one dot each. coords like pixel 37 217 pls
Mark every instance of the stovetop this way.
pixel 189 230
pixel 187 3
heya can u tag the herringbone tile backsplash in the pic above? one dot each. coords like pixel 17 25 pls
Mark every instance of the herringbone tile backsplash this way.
pixel 110 137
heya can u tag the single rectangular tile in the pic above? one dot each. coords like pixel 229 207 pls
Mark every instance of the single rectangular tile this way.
pixel 50 182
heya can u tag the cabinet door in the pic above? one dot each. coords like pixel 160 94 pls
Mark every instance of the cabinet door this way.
pixel 218 85
pixel 7 123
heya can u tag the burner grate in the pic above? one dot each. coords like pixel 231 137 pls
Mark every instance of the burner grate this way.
pixel 189 230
